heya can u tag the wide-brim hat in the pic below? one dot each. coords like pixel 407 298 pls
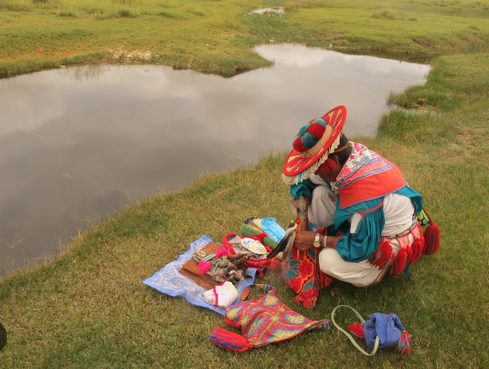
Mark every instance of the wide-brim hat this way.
pixel 312 145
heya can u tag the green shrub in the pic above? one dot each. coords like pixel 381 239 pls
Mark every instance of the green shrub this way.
pixel 66 14
pixel 195 12
pixel 126 13
pixel 384 15
pixel 170 15
pixel 92 10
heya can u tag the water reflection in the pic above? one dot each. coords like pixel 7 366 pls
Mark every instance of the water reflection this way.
pixel 80 142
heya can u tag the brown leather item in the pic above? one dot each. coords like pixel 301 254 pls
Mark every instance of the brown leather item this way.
pixel 191 270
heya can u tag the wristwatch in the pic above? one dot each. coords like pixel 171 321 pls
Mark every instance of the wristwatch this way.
pixel 316 242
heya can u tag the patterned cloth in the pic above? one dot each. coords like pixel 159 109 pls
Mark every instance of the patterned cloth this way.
pixel 366 176
pixel 267 320
pixel 300 271
pixel 360 155
pixel 169 281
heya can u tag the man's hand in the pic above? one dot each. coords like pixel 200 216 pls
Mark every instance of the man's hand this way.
pixel 304 240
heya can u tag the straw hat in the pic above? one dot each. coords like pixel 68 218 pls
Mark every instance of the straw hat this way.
pixel 312 145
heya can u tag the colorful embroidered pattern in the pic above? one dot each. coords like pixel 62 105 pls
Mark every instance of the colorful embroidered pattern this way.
pixel 360 155
pixel 300 271
pixel 362 163
pixel 267 320
pixel 365 176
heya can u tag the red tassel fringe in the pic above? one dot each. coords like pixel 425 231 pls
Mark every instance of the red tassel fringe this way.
pixel 383 255
pixel 357 330
pixel 417 250
pixel 405 343
pixel 431 239
pixel 400 262
pixel 407 256
pixel 229 340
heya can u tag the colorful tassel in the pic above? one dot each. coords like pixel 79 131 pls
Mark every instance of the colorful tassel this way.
pixel 416 250
pixel 357 330
pixel 431 239
pixel 223 251
pixel 204 266
pixel 383 255
pixel 400 262
pixel 405 343
pixel 229 340
pixel 308 299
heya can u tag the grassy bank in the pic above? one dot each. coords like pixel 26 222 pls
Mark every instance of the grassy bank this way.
pixel 88 308
pixel 216 36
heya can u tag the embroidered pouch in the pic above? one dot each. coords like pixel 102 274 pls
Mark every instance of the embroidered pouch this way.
pixel 262 321
pixel 300 271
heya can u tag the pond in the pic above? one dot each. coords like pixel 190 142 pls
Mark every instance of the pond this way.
pixel 79 143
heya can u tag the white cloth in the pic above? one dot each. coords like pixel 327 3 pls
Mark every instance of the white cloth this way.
pixel 222 296
pixel 398 213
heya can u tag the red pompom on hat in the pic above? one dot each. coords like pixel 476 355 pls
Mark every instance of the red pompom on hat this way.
pixel 314 142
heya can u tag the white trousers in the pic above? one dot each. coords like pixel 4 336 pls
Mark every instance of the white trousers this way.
pixel 398 211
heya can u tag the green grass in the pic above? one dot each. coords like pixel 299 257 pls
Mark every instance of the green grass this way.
pixel 88 307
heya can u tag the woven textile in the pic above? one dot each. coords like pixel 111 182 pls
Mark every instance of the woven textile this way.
pixel 266 320
pixel 300 271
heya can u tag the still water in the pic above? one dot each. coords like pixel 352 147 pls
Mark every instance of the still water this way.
pixel 78 143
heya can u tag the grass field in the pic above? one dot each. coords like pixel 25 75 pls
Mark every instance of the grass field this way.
pixel 217 36
pixel 88 307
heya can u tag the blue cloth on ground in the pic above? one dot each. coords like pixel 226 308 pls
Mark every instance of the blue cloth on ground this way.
pixel 169 281
pixel 387 327
pixel 272 229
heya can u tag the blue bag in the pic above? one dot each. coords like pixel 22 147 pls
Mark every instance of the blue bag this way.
pixel 272 229
pixel 380 331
